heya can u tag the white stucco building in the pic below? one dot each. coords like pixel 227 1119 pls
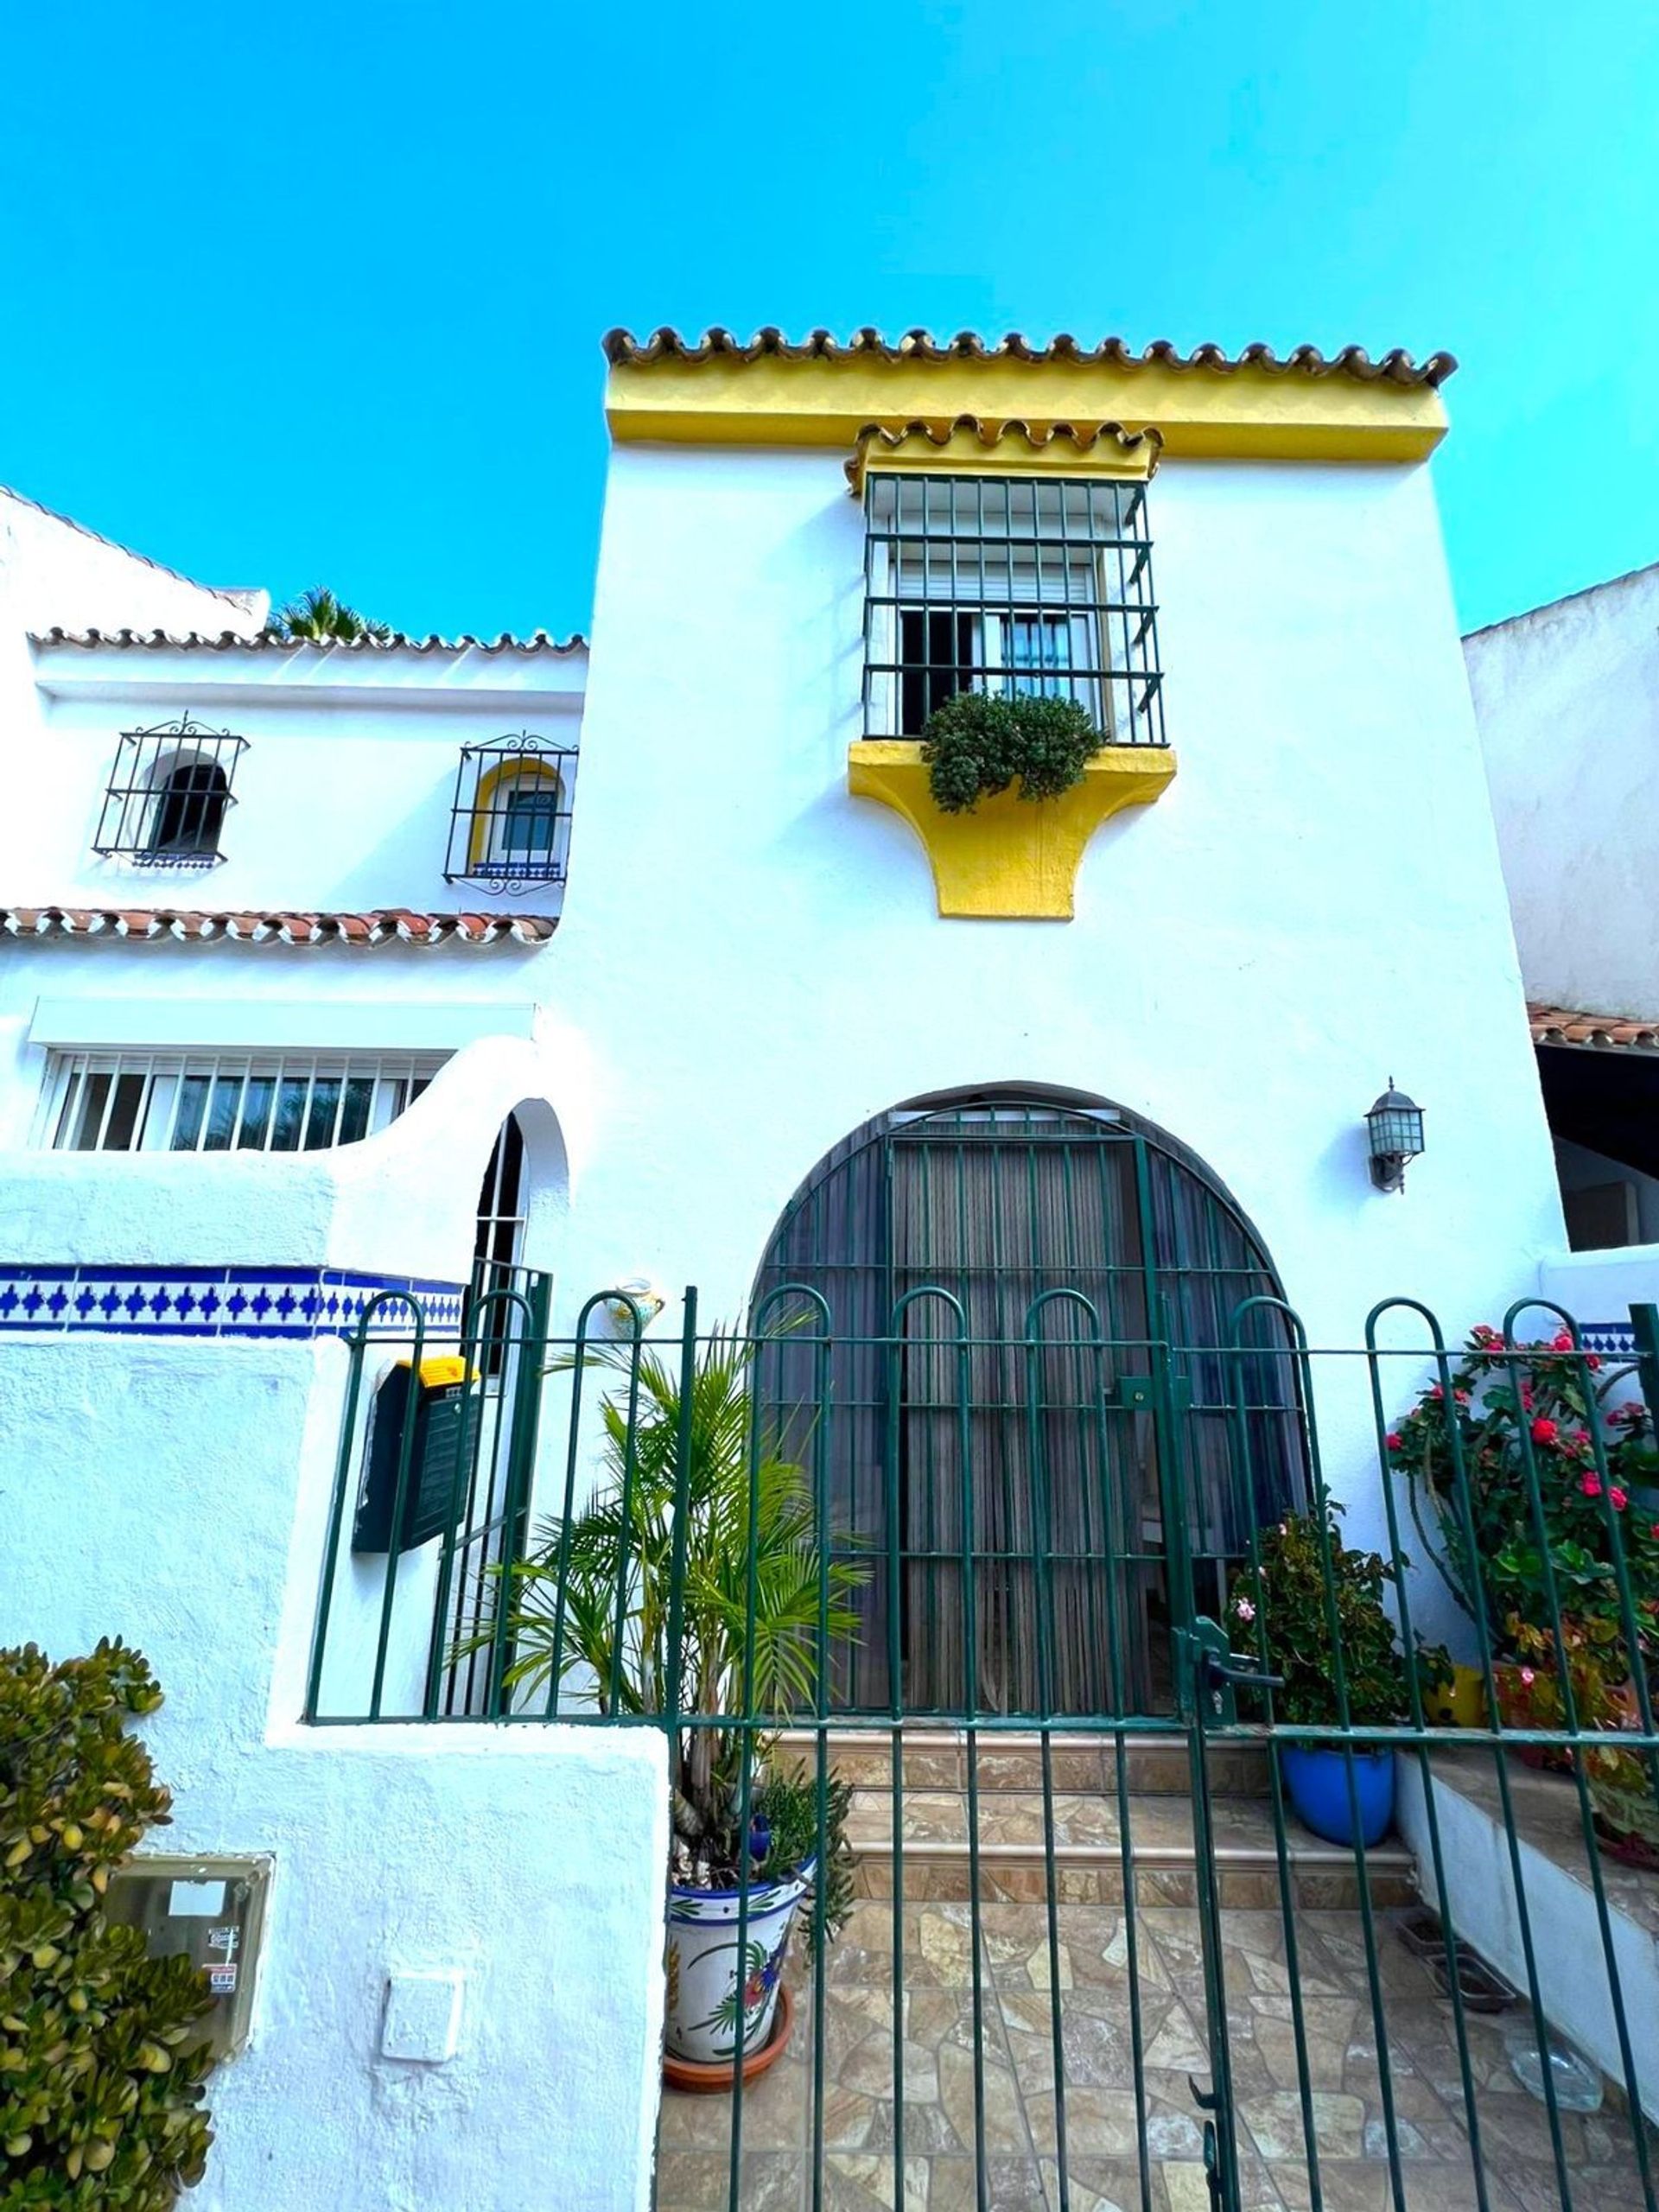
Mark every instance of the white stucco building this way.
pixel 1566 696
pixel 293 930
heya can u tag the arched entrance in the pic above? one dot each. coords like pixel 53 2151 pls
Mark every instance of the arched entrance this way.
pixel 1040 1472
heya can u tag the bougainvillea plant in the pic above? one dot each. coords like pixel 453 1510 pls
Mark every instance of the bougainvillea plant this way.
pixel 1584 1505
pixel 102 2059
pixel 1281 1606
pixel 977 745
pixel 1550 1473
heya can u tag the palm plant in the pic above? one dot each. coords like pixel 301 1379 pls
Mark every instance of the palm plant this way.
pixel 318 617
pixel 762 1600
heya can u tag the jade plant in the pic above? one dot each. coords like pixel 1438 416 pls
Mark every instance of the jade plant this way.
pixel 977 744
pixel 102 2065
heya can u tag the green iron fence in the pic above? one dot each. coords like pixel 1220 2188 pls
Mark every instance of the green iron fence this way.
pixel 1108 1950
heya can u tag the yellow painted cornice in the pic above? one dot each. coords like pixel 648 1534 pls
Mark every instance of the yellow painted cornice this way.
pixel 1242 409
pixel 975 447
pixel 1011 859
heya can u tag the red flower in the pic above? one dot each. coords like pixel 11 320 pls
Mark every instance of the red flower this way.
pixel 1462 1398
pixel 1526 1397
pixel 1395 1441
pixel 1484 1335
pixel 1563 1342
pixel 1544 1430
pixel 1592 1360
pixel 1591 1485
pixel 1437 1391
pixel 1616 1499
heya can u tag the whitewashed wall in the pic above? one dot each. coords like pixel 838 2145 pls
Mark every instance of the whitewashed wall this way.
pixel 342 798
pixel 1567 701
pixel 1315 905
pixel 175 1491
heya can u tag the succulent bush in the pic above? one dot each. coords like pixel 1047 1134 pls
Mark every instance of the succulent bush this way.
pixel 101 2073
pixel 977 745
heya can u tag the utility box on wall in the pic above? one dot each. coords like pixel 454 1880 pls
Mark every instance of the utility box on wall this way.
pixel 212 1909
pixel 442 1405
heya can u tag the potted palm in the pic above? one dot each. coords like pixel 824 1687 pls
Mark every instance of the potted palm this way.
pixel 1303 1582
pixel 592 1619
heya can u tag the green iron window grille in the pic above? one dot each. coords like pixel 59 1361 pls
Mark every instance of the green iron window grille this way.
pixel 1013 1203
pixel 510 823
pixel 168 793
pixel 218 1102
pixel 1010 585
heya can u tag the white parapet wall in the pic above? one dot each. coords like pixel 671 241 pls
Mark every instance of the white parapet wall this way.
pixel 166 1473
pixel 1561 1921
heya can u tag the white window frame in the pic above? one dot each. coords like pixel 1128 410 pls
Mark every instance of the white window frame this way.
pixel 163 1081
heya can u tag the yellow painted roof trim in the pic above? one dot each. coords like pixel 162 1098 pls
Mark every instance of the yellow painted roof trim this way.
pixel 998 448
pixel 1244 410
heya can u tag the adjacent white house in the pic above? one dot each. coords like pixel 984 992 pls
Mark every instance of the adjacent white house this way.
pixel 1568 697
pixel 324 972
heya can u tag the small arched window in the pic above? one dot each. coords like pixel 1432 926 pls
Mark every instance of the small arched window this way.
pixel 190 802
pixel 511 824
pixel 169 793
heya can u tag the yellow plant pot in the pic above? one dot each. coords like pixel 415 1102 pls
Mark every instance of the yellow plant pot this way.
pixel 1461 1703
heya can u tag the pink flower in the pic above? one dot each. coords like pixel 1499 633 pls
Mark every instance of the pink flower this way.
pixel 1526 1397
pixel 1527 1678
pixel 1244 1609
pixel 1544 1430
pixel 1563 1342
pixel 1396 1443
pixel 1437 1392
pixel 1485 1336
pixel 1462 1398
pixel 1616 1499
pixel 1591 1485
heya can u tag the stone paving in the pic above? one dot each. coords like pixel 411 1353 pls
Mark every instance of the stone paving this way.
pixel 1105 2122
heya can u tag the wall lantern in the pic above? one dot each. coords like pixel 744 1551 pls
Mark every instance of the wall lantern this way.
pixel 1395 1126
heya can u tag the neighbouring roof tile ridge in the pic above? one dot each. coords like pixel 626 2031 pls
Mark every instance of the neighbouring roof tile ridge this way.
pixel 126 640
pixel 242 595
pixel 372 926
pixel 1396 366
pixel 1560 1025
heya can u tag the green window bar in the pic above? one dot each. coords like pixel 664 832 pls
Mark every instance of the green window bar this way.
pixel 1010 586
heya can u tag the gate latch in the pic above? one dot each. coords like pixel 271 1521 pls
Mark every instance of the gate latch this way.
pixel 1214 1672
pixel 1131 1394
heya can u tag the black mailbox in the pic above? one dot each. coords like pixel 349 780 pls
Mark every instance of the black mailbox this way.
pixel 444 1412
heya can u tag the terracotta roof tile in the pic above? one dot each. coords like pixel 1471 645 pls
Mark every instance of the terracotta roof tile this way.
pixel 1394 367
pixel 382 926
pixel 989 431
pixel 228 641
pixel 1560 1025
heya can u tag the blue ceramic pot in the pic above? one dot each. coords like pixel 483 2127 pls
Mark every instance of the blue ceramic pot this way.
pixel 1318 1782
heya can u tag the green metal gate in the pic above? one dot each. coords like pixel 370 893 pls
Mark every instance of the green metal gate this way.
pixel 1091 1953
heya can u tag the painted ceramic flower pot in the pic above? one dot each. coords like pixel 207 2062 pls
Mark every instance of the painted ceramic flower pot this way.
pixel 710 1987
pixel 1317 1779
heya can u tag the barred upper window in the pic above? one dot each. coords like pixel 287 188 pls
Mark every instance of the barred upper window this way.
pixel 226 1102
pixel 510 825
pixel 167 795
pixel 1008 584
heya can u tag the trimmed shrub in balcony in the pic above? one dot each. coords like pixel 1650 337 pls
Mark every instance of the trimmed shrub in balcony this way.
pixel 977 745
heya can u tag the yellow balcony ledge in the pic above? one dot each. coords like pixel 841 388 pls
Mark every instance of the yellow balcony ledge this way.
pixel 1012 859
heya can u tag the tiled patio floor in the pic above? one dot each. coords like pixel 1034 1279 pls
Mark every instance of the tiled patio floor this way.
pixel 1103 2121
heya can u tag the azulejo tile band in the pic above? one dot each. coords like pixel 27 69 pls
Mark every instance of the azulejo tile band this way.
pixel 217 1301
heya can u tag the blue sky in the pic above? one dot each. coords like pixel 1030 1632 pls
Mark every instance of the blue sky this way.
pixel 319 300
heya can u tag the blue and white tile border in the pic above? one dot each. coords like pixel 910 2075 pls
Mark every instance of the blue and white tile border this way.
pixel 1611 1339
pixel 214 1301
